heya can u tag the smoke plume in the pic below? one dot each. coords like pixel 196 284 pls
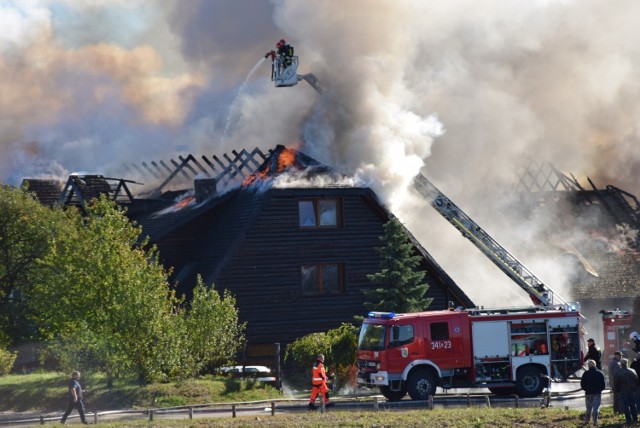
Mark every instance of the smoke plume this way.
pixel 464 90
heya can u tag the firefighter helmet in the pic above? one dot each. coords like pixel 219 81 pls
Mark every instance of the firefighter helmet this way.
pixel 281 43
pixel 634 335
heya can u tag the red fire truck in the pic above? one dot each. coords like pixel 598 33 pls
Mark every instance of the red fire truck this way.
pixel 616 326
pixel 505 350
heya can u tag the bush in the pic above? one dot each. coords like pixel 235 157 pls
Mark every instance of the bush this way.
pixel 6 361
pixel 339 347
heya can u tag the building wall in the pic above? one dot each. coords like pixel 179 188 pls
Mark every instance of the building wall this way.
pixel 265 273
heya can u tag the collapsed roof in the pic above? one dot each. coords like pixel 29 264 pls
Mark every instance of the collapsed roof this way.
pixel 596 231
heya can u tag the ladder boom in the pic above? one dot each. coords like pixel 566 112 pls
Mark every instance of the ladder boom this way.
pixel 539 292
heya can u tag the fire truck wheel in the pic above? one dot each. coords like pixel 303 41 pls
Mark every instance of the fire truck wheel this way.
pixel 529 383
pixel 421 384
pixel 393 395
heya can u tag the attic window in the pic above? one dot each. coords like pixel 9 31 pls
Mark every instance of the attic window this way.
pixel 318 213
pixel 322 279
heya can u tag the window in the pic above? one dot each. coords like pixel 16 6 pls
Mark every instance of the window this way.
pixel 318 213
pixel 401 335
pixel 322 279
pixel 439 331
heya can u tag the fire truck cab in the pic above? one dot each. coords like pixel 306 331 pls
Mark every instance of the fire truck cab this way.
pixel 505 350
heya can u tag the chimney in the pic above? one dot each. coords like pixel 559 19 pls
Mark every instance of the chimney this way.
pixel 204 187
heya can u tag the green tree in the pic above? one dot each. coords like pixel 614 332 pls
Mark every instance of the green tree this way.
pixel 104 298
pixel 399 282
pixel 26 230
pixel 213 332
pixel 6 361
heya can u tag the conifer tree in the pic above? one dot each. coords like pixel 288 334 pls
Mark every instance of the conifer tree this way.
pixel 399 281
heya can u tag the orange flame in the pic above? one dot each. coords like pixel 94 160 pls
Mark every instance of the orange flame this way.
pixel 183 203
pixel 286 158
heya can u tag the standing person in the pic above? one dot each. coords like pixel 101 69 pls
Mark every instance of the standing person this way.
pixel 635 365
pixel 75 398
pixel 626 384
pixel 636 341
pixel 594 353
pixel 319 384
pixel 285 52
pixel 614 367
pixel 592 383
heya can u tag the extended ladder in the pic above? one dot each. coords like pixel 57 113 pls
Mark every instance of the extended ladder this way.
pixel 540 293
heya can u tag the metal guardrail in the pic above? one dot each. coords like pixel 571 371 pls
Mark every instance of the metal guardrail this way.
pixel 233 409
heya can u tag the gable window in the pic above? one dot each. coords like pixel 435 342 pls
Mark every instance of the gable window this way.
pixel 318 213
pixel 322 279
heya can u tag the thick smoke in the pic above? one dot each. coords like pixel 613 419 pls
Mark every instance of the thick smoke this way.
pixel 465 90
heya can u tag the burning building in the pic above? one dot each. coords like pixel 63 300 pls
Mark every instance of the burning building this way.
pixel 292 239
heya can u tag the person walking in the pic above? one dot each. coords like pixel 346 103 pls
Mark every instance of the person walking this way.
pixel 592 383
pixel 319 384
pixel 75 399
pixel 614 367
pixel 626 384
pixel 594 353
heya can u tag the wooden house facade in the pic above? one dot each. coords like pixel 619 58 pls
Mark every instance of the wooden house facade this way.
pixel 296 259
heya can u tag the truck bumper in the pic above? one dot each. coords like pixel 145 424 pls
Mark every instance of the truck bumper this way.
pixel 374 379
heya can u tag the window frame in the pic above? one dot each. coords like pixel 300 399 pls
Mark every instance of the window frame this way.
pixel 316 205
pixel 320 290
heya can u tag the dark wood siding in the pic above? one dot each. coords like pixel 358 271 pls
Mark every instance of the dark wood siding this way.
pixel 264 273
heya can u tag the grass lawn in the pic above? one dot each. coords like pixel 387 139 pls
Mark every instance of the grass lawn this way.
pixel 46 393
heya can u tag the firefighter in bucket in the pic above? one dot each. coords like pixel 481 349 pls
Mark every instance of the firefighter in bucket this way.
pixel 285 52
pixel 319 384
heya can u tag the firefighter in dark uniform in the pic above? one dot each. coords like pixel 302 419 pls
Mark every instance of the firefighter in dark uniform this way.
pixel 594 353
pixel 319 384
pixel 285 52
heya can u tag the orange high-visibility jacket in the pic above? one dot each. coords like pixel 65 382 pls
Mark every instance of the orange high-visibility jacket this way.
pixel 319 376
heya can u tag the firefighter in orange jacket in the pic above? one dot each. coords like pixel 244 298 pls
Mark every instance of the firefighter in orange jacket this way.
pixel 319 384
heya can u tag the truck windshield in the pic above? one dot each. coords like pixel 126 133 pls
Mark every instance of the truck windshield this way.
pixel 372 337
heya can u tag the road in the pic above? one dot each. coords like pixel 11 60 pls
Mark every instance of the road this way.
pixel 563 395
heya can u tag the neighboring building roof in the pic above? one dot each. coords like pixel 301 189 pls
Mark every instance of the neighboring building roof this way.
pixel 595 228
pixel 46 190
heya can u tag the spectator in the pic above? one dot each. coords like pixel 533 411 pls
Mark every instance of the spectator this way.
pixel 592 383
pixel 635 365
pixel 626 383
pixel 614 367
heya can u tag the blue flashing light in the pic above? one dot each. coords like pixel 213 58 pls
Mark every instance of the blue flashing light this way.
pixel 382 315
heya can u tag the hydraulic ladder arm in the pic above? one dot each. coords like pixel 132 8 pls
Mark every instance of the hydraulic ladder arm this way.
pixel 540 293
